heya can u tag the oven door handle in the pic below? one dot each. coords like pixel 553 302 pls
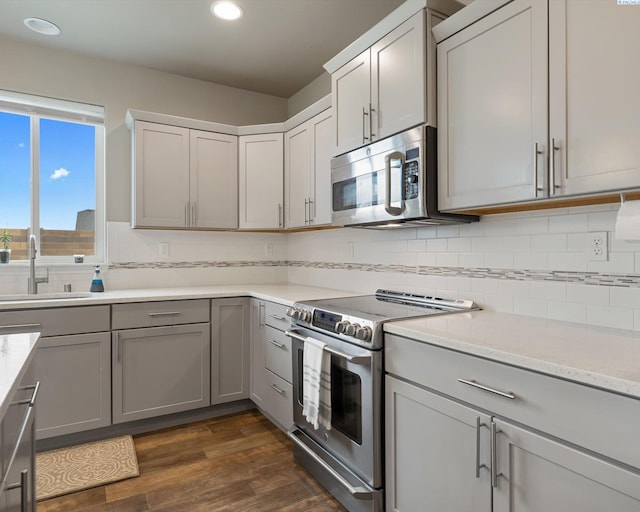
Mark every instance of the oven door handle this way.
pixel 360 493
pixel 364 360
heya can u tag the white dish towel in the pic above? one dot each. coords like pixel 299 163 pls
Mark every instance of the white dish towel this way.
pixel 316 384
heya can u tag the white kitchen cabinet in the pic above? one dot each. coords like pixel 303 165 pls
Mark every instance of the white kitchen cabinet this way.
pixel 183 178
pixel 492 101
pixel 261 168
pixel 307 173
pixel 161 357
pixel 384 90
pixel 230 351
pixel 437 454
pixel 72 361
pixel 594 105
pixel 557 445
pixel 523 116
pixel 271 361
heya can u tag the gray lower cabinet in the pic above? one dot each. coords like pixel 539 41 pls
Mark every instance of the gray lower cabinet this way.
pixel 520 442
pixel 75 372
pixel 17 450
pixel 160 370
pixel 257 352
pixel 230 350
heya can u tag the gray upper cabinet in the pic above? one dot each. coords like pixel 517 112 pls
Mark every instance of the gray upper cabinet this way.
pixel 522 116
pixel 230 351
pixel 183 178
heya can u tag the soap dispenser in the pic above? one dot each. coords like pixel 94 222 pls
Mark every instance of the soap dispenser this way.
pixel 96 283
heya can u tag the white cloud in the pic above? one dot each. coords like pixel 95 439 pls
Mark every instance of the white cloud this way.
pixel 21 145
pixel 59 173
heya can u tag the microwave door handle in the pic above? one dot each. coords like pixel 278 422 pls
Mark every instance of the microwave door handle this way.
pixel 392 210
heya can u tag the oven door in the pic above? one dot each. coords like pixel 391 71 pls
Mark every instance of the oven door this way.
pixel 355 437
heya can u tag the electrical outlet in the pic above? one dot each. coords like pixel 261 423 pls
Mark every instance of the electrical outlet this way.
pixel 268 250
pixel 163 249
pixel 597 247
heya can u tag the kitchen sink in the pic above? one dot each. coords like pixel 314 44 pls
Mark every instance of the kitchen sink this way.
pixel 45 296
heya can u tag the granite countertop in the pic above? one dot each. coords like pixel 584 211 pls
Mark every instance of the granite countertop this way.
pixel 16 353
pixel 285 294
pixel 597 356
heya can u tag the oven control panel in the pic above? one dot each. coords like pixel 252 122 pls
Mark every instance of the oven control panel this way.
pixel 325 320
pixel 332 323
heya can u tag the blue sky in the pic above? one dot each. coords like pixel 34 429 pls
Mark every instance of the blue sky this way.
pixel 67 172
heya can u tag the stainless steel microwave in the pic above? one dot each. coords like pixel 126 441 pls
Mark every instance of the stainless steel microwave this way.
pixel 390 183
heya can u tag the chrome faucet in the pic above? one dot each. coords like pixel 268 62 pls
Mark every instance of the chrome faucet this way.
pixel 33 280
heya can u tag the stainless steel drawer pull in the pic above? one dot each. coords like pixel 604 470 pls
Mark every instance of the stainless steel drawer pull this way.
pixel 474 384
pixel 21 326
pixel 276 317
pixel 279 345
pixel 166 313
pixel 281 391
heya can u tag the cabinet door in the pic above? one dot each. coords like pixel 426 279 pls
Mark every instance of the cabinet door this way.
pixel 539 474
pixel 298 158
pixel 320 208
pixel 77 368
pixel 214 180
pixel 398 78
pixel 23 462
pixel 257 382
pixel 492 109
pixel 229 350
pixel 261 170
pixel 594 107
pixel 160 370
pixel 350 96
pixel 436 452
pixel 161 175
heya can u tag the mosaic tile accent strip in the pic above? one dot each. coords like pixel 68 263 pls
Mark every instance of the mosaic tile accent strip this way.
pixel 590 278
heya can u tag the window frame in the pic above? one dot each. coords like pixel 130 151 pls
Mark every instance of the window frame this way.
pixel 37 108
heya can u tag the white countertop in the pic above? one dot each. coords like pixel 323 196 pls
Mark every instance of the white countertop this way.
pixel 597 356
pixel 283 293
pixel 16 353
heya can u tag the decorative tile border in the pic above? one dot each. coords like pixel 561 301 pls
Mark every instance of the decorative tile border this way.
pixel 590 278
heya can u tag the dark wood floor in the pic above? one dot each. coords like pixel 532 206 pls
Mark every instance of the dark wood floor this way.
pixel 235 463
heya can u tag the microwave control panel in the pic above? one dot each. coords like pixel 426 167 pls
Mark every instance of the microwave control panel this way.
pixel 411 173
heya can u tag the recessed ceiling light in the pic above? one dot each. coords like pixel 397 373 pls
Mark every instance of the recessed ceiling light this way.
pixel 226 10
pixel 42 26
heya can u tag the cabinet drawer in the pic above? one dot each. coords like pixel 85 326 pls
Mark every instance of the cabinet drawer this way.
pixel 595 419
pixel 278 352
pixel 154 314
pixel 57 321
pixel 276 316
pixel 278 396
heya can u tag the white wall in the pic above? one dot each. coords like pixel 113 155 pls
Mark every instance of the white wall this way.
pixel 59 74
pixel 309 94
pixel 532 263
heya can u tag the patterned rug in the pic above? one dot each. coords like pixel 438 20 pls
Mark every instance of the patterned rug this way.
pixel 76 468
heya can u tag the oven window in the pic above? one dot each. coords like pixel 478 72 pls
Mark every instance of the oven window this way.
pixel 346 402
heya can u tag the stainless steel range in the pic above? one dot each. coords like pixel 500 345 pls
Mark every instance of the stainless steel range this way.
pixel 347 458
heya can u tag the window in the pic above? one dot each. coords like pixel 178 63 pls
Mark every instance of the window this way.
pixel 52 177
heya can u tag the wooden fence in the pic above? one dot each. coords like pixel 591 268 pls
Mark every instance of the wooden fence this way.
pixel 52 242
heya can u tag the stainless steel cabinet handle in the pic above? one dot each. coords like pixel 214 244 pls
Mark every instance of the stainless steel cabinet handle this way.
pixel 279 345
pixel 393 210
pixel 277 389
pixel 552 168
pixel 21 326
pixel 536 153
pixel 360 493
pixel 117 347
pixel 165 313
pixel 371 110
pixel 23 485
pixel 31 401
pixel 473 383
pixel 364 360
pixel 478 465
pixel 365 114
pixel 494 455
pixel 261 312
pixel 194 215
pixel 280 219
pixel 276 317
pixel 312 215
pixel 306 211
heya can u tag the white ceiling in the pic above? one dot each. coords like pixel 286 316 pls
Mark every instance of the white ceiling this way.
pixel 278 47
